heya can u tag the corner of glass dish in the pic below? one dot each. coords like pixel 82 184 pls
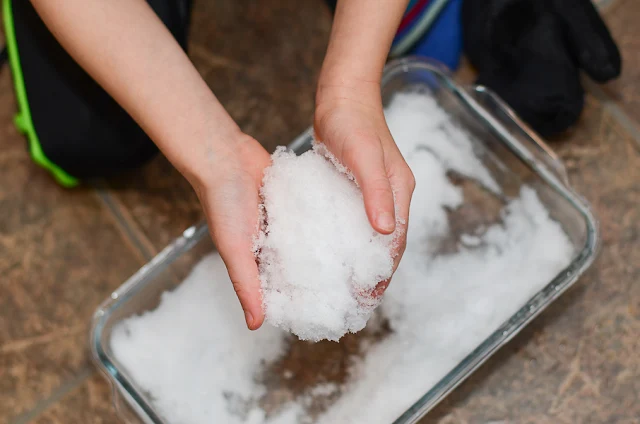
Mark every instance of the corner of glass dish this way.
pixel 533 151
pixel 100 318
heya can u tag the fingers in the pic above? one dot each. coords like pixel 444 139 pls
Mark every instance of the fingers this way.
pixel 365 158
pixel 232 213
pixel 403 181
pixel 235 245
pixel 387 185
pixel 380 288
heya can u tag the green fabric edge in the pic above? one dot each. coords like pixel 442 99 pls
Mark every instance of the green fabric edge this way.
pixel 23 120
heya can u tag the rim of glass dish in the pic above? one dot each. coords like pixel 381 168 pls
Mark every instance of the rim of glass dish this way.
pixel 482 352
pixel 558 285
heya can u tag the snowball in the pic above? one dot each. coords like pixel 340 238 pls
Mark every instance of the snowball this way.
pixel 195 357
pixel 319 257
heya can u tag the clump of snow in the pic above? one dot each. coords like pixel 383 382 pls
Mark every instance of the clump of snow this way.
pixel 195 357
pixel 319 257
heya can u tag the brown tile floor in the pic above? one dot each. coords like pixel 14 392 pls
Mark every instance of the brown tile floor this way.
pixel 621 17
pixel 62 252
pixel 89 402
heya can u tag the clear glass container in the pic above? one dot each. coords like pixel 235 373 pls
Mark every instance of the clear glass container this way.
pixel 513 154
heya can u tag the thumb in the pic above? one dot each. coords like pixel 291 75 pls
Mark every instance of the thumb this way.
pixel 366 160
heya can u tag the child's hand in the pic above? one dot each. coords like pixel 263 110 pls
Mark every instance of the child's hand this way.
pixel 229 195
pixel 349 119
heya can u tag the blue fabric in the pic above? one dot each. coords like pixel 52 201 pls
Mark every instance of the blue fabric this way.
pixel 401 34
pixel 443 41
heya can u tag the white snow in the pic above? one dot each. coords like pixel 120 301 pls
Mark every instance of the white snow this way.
pixel 200 364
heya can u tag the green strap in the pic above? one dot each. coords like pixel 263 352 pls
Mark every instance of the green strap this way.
pixel 23 120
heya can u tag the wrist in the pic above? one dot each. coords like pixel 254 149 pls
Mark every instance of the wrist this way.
pixel 345 67
pixel 338 85
pixel 360 40
pixel 207 158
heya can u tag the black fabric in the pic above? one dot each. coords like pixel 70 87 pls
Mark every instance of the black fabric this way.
pixel 332 5
pixel 531 52
pixel 3 55
pixel 80 127
pixel 589 39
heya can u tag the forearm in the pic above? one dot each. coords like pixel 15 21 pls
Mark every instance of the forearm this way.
pixel 125 47
pixel 361 37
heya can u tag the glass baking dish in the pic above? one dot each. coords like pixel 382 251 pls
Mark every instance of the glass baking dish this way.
pixel 513 154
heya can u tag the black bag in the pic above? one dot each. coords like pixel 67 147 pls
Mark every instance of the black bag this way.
pixel 532 52
pixel 75 130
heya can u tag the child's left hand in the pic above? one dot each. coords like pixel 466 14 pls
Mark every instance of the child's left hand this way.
pixel 349 120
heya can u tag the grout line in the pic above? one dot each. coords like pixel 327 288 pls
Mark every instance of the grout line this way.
pixel 125 222
pixel 605 5
pixel 627 122
pixel 55 397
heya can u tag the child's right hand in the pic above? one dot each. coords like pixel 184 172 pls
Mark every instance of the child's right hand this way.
pixel 228 190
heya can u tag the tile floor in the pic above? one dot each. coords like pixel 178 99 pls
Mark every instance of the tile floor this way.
pixel 62 252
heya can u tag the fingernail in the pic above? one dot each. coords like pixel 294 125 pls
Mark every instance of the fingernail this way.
pixel 249 318
pixel 386 222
